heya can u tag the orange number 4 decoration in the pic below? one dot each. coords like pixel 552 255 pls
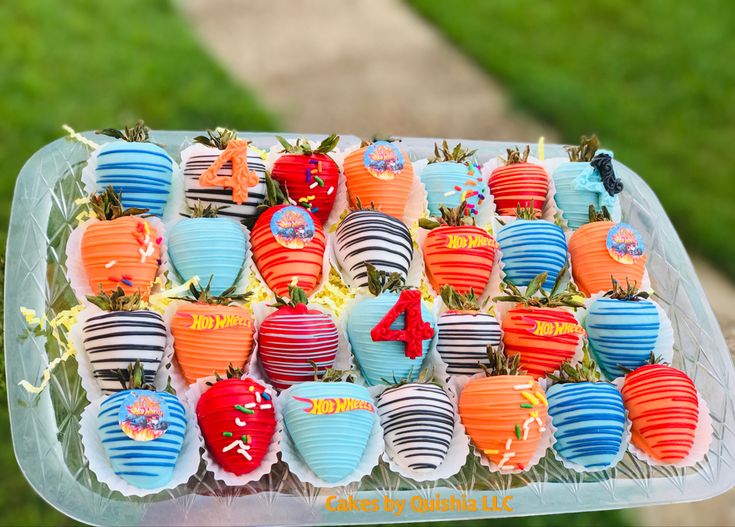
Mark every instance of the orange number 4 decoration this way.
pixel 415 330
pixel 242 177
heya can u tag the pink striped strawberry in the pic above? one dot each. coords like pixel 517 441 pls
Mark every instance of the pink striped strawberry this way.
pixel 294 339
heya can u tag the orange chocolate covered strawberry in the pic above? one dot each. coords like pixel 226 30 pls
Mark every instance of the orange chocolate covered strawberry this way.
pixel 211 333
pixel 120 249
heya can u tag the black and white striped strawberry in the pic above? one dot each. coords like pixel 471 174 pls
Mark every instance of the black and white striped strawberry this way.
pixel 464 333
pixel 124 333
pixel 418 423
pixel 368 236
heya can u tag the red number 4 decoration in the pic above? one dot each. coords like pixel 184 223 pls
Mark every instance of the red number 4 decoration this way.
pixel 415 330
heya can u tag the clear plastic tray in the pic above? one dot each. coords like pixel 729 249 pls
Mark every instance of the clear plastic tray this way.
pixel 45 427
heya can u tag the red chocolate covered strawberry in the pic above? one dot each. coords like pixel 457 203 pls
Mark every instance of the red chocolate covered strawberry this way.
pixel 519 184
pixel 310 174
pixel 293 340
pixel 288 242
pixel 237 419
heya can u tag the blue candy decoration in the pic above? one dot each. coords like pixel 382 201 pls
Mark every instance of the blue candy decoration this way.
pixel 532 247
pixel 590 423
pixel 384 359
pixel 144 464
pixel 441 179
pixel 327 428
pixel 207 247
pixel 622 333
pixel 140 171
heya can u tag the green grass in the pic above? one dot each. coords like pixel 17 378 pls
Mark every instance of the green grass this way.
pixel 654 79
pixel 94 65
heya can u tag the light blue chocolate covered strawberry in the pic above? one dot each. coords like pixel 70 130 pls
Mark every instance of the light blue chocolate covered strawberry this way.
pixel 390 333
pixel 530 247
pixel 588 417
pixel 205 245
pixel 135 167
pixel 451 177
pixel 142 431
pixel 329 424
pixel 624 328
pixel 587 179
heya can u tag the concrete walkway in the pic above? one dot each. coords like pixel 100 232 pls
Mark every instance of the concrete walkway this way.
pixel 374 66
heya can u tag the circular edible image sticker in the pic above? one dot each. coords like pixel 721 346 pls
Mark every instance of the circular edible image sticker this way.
pixel 143 416
pixel 292 227
pixel 624 243
pixel 383 160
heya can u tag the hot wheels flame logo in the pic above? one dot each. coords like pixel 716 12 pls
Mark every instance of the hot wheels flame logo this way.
pixel 215 322
pixel 335 405
pixel 554 328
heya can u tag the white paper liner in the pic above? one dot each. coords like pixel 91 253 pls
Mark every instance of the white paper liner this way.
pixel 242 279
pixel 551 164
pixel 624 444
pixel 664 343
pixel 492 288
pixel 549 210
pixel 502 309
pixel 176 191
pixel 191 399
pixel 702 437
pixel 456 456
pixel 84 366
pixel 77 275
pixel 416 203
pixel 298 467
pixel 342 360
pixel 178 381
pixel 187 463
pixel 543 445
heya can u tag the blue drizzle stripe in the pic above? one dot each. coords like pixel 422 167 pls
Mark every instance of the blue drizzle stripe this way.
pixel 590 422
pixel 127 456
pixel 140 171
pixel 532 247
pixel 622 333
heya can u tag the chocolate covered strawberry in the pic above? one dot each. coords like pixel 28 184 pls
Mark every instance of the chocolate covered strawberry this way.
pixel 418 423
pixel 457 252
pixel 137 168
pixel 663 405
pixel 125 332
pixel 451 178
pixel 588 179
pixel 368 236
pixel 310 174
pixel 541 328
pixel 505 414
pixel 602 249
pixel 287 242
pixel 391 331
pixel 119 248
pixel 237 419
pixel 293 340
pixel 519 183
pixel 588 416
pixel 142 431
pixel 464 332
pixel 329 422
pixel 211 332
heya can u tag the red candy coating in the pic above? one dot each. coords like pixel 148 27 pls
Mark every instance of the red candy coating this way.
pixel 524 184
pixel 290 170
pixel 217 416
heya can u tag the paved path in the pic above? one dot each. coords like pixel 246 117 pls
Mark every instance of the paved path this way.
pixel 374 66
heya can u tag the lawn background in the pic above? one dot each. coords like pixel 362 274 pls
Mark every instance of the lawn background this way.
pixel 654 79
